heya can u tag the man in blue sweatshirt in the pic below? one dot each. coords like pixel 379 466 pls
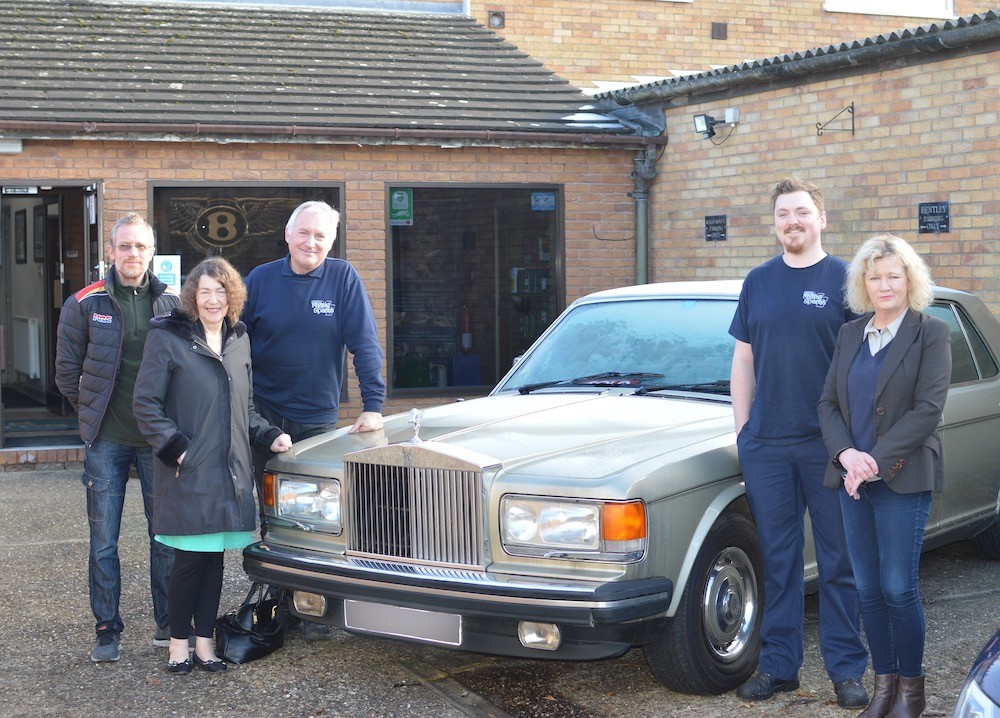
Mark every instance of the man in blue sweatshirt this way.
pixel 302 312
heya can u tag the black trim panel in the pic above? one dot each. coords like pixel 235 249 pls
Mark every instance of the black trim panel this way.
pixel 582 604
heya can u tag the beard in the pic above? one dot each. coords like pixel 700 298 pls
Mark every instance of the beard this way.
pixel 795 243
pixel 131 272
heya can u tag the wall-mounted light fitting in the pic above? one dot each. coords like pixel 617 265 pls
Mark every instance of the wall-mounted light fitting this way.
pixel 497 19
pixel 705 124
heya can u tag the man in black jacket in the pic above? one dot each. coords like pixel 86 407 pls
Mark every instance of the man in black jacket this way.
pixel 102 330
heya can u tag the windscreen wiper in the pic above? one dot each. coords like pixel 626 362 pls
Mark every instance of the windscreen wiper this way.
pixel 608 378
pixel 720 386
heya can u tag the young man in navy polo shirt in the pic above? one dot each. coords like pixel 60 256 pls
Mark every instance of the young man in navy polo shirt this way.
pixel 790 311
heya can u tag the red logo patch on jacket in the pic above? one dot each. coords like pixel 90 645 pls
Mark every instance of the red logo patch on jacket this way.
pixel 101 318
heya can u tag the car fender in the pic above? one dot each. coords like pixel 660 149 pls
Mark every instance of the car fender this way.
pixel 723 502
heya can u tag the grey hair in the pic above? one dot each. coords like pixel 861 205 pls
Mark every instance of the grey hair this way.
pixel 314 204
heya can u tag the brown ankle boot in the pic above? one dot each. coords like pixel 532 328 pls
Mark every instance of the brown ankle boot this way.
pixel 909 701
pixel 882 695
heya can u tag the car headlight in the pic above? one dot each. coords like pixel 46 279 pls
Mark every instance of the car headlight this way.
pixel 561 528
pixel 973 703
pixel 312 501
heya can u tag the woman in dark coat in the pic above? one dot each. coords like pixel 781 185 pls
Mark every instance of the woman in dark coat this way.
pixel 879 412
pixel 193 402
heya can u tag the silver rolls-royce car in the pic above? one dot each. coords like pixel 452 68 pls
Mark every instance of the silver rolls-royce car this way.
pixel 591 503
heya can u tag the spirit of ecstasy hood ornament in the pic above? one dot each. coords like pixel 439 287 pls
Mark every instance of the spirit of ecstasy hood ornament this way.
pixel 415 416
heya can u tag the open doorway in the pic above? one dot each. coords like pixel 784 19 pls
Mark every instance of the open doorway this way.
pixel 48 249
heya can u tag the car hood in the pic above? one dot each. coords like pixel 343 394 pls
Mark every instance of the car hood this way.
pixel 579 435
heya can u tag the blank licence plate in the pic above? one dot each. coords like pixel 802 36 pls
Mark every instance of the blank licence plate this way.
pixel 400 622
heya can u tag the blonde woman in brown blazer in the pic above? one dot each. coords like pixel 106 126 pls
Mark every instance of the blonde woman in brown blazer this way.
pixel 879 412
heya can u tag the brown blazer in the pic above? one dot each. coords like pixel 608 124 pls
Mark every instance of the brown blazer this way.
pixel 909 399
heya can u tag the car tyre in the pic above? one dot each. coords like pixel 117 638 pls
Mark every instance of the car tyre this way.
pixel 986 543
pixel 712 643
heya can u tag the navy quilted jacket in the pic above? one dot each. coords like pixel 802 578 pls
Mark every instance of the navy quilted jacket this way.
pixel 89 345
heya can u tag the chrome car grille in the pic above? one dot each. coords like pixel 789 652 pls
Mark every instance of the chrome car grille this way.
pixel 415 513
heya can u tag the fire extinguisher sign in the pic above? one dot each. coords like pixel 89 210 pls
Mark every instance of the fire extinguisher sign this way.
pixel 401 207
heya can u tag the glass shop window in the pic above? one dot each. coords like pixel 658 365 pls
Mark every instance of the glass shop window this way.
pixel 475 277
pixel 244 224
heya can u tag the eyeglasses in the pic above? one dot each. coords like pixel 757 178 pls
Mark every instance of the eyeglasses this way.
pixel 127 247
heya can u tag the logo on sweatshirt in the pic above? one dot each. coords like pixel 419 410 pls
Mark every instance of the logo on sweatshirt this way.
pixel 814 299
pixel 101 318
pixel 323 307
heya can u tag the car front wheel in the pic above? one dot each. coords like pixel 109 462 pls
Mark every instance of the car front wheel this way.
pixel 712 643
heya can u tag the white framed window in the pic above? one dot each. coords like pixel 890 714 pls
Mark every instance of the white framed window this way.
pixel 934 9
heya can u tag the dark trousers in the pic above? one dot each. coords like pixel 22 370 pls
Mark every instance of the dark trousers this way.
pixel 195 590
pixel 782 481
pixel 294 429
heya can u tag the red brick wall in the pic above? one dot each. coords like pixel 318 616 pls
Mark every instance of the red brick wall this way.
pixel 596 183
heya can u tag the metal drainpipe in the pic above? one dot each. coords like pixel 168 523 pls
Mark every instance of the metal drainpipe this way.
pixel 642 176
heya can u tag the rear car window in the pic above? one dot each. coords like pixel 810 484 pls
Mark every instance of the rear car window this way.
pixel 970 358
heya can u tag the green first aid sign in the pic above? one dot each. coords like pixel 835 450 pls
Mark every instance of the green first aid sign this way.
pixel 401 207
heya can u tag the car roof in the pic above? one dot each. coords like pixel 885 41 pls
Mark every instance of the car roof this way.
pixel 712 289
pixel 717 289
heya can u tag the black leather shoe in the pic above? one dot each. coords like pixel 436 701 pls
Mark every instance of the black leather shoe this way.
pixel 763 685
pixel 210 666
pixel 850 693
pixel 179 667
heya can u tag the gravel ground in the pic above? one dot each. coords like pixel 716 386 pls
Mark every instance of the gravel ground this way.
pixel 48 635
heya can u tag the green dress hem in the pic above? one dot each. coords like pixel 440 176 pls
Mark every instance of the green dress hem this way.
pixel 207 542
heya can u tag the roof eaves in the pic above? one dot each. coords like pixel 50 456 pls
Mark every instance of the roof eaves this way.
pixel 222 133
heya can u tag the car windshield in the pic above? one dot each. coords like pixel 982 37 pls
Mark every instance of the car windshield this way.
pixel 652 344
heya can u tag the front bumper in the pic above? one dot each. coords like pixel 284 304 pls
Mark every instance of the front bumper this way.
pixel 597 620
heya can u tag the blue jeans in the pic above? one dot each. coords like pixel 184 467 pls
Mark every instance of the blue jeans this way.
pixel 885 533
pixel 105 473
pixel 781 482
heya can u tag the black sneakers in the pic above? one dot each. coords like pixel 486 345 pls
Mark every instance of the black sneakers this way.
pixel 851 693
pixel 107 649
pixel 762 686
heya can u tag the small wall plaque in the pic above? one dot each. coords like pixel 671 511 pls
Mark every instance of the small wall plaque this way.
pixel 715 228
pixel 934 217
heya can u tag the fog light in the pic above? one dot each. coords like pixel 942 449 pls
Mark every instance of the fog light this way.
pixel 543 636
pixel 310 604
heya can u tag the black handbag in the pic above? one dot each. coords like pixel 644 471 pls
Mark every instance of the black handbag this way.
pixel 255 629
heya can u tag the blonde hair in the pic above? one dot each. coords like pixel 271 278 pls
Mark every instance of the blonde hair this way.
pixel 920 287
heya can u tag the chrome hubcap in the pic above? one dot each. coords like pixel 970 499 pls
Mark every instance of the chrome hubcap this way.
pixel 730 604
